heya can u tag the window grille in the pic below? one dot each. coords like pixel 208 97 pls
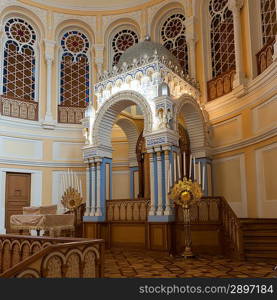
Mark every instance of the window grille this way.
pixel 19 63
pixel 222 37
pixel 74 70
pixel 121 41
pixel 173 37
pixel 269 23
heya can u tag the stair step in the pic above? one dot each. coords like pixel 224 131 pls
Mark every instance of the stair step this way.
pixel 260 233
pixel 259 227
pixel 260 247
pixel 261 254
pixel 260 241
pixel 258 220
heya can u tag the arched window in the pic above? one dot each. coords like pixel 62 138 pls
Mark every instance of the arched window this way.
pixel 222 37
pixel 74 70
pixel 173 37
pixel 269 23
pixel 120 42
pixel 19 64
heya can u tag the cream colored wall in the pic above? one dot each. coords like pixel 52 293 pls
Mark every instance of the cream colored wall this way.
pixel 243 125
pixel 120 171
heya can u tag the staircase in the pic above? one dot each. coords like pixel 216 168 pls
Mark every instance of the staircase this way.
pixel 259 238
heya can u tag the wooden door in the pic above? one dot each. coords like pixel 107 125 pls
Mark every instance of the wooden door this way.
pixel 18 190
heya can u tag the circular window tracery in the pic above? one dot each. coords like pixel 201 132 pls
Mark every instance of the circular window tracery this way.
pixel 19 64
pixel 173 37
pixel 74 73
pixel 121 41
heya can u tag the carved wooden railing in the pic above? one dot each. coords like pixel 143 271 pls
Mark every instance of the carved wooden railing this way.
pixel 232 230
pixel 221 85
pixel 70 114
pixel 264 56
pixel 206 211
pixel 19 108
pixel 216 210
pixel 25 256
pixel 134 210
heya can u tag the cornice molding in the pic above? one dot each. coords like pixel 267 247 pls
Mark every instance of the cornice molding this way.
pixel 4 161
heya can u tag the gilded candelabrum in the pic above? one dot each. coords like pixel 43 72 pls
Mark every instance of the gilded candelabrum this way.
pixel 185 193
pixel 71 198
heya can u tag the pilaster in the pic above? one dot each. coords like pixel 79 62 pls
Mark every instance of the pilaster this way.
pixel 49 122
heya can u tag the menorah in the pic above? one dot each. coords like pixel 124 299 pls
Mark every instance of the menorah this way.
pixel 71 191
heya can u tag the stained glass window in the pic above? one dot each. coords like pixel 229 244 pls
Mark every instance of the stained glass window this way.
pixel 222 37
pixel 19 60
pixel 269 23
pixel 173 37
pixel 74 76
pixel 121 41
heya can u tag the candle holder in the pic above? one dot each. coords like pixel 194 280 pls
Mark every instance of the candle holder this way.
pixel 185 193
pixel 71 199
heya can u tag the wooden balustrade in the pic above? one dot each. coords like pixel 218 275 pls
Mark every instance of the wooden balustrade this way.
pixel 206 211
pixel 217 211
pixel 19 108
pixel 70 115
pixel 264 56
pixel 35 257
pixel 221 85
pixel 134 210
pixel 232 230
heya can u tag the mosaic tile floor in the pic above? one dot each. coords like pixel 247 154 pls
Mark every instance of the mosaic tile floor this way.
pixel 124 263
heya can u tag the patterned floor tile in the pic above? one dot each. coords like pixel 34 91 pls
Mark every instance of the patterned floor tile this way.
pixel 134 263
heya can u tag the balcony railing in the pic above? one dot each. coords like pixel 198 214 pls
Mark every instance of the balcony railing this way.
pixel 18 108
pixel 264 56
pixel 134 210
pixel 37 257
pixel 70 114
pixel 221 85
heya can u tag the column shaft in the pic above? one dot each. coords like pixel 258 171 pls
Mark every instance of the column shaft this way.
pixel 168 210
pixel 160 184
pixel 152 183
pixel 93 186
pixel 98 186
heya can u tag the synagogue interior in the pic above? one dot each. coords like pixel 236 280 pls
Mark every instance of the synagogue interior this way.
pixel 138 138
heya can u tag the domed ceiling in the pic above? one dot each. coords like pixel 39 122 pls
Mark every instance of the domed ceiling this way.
pixel 91 4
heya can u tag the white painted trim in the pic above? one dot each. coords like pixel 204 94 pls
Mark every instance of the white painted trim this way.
pixel 229 104
pixel 37 145
pixel 36 190
pixel 260 180
pixel 234 119
pixel 94 7
pixel 41 164
pixel 246 142
pixel 57 155
pixel 255 125
pixel 242 206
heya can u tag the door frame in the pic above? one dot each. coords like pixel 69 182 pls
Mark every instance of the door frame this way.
pixel 36 191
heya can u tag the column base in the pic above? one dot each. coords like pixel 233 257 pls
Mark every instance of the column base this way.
pixel 163 218
pixel 49 122
pixel 98 212
pixel 152 211
pixel 92 213
pixel 160 211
